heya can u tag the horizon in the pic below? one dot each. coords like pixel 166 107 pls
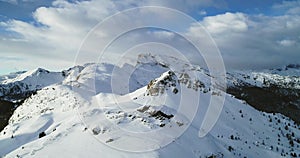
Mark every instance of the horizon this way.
pixel 66 68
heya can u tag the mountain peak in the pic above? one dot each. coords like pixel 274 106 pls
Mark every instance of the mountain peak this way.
pixel 30 73
pixel 166 81
pixel 37 72
pixel 147 117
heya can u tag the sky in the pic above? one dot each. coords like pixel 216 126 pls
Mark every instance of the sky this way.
pixel 57 34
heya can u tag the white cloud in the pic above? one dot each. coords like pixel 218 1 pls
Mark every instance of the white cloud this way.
pixel 254 41
pixel 163 34
pixel 228 22
pixel 287 43
pixel 202 12
pixel 185 5
pixel 55 35
pixel 290 7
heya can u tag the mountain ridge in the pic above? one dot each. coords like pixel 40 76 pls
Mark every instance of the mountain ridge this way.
pixel 84 109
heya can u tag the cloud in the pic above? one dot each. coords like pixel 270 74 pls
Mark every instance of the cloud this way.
pixel 162 34
pixel 287 43
pixel 55 34
pixel 226 23
pixel 9 58
pixel 254 41
pixel 183 5
pixel 202 12
pixel 289 7
pixel 10 1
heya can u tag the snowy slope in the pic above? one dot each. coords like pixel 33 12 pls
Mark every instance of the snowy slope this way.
pixel 85 116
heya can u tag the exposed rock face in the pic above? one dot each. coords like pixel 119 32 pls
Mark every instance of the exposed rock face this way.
pixel 158 86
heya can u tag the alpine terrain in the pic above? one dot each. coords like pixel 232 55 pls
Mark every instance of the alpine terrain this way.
pixel 93 111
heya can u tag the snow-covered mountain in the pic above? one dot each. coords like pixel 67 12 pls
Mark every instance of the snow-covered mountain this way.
pixel 20 83
pixel 16 87
pixel 154 108
pixel 275 90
